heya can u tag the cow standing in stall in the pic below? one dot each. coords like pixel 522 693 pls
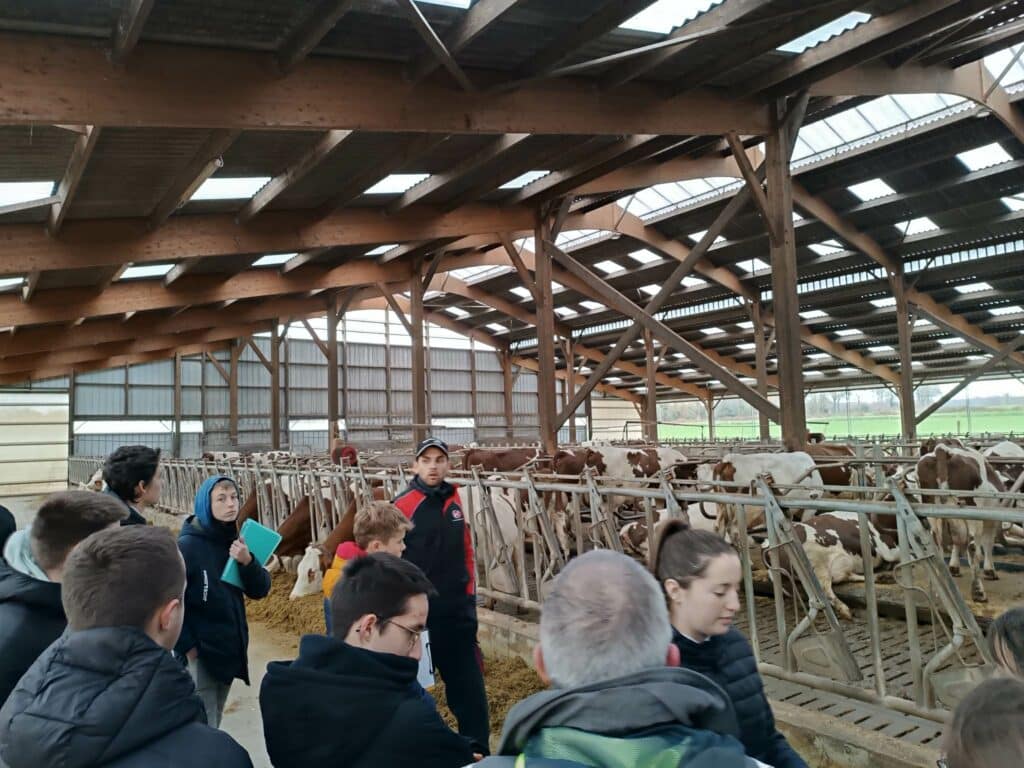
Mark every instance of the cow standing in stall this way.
pixel 962 469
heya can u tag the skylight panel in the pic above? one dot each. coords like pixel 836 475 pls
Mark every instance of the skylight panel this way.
pixel 651 290
pixel 797 217
pixel 1014 202
pixel 819 356
pixel 813 314
pixel 747 345
pixel 678 355
pixel 396 183
pixel 979 358
pixel 825 32
pixel 457 312
pixel 888 301
pixel 972 288
pixel 698 236
pixel 871 190
pixel 997 62
pixel 984 157
pixel 13 192
pixel 644 256
pixel 609 267
pixel 916 364
pixel 593 306
pixel 381 249
pixel 850 125
pixel 497 327
pixel 522 180
pixel 712 331
pixel 521 292
pixel 917 226
pixel 556 287
pixel 1009 309
pixel 451 3
pixel 613 379
pixel 826 248
pixel 237 188
pixel 147 270
pixel 274 259
pixel 949 341
pixel 565 312
pixel 849 371
pixel 665 15
pixel 882 349
pixel 813 373
pixel 883 113
pixel 11 282
pixel 746 325
pixel 753 265
pixel 922 322
pixel 848 332
pixel 693 282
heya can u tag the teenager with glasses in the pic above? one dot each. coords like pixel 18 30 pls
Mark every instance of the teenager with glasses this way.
pixel 352 698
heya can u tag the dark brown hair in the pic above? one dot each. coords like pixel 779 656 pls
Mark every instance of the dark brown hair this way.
pixel 66 518
pixel 122 577
pixel 1006 640
pixel 683 553
pixel 985 732
pixel 379 521
pixel 380 584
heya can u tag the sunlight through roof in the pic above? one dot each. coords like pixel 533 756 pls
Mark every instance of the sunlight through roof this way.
pixel 146 270
pixel 522 180
pixel 237 188
pixel 13 192
pixel 984 157
pixel 825 32
pixel 273 259
pixel 872 189
pixel 396 183
pixel 665 15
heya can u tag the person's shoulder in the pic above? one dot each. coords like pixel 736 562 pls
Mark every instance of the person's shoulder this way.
pixel 195 744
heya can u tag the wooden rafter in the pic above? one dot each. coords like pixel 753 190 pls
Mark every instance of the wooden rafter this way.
pixel 129 26
pixel 434 43
pixel 471 25
pixel 80 154
pixel 318 20
pixel 202 165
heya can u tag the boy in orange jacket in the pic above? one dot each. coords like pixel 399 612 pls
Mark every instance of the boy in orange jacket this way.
pixel 380 527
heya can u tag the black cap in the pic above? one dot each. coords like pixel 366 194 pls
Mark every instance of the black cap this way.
pixel 431 442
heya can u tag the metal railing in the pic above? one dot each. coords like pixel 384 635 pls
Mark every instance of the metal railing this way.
pixel 527 525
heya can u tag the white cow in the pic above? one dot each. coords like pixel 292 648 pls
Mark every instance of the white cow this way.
pixel 309 579
pixel 504 573
pixel 95 482
pixel 1013 533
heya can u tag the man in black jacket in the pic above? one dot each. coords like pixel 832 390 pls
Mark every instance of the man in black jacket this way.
pixel 109 693
pixel 350 699
pixel 132 475
pixel 31 615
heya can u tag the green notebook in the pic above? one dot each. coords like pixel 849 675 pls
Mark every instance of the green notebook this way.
pixel 262 542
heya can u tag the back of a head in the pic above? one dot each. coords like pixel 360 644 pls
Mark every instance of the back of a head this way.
pixel 380 521
pixel 378 584
pixel 129 465
pixel 605 617
pixel 1006 641
pixel 985 731
pixel 67 518
pixel 122 577
pixel 682 553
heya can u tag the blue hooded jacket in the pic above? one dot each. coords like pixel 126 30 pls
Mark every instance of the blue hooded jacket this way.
pixel 215 610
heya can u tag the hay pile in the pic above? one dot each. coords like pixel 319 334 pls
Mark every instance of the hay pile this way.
pixel 508 680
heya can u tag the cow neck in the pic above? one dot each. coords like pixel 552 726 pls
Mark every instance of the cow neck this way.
pixel 443 490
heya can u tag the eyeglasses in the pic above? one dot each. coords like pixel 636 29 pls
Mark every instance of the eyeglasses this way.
pixel 414 634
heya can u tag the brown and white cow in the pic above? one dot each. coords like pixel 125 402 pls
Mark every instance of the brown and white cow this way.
pixel 832 544
pixel 503 459
pixel 829 457
pixel 929 444
pixel 963 469
pixel 95 482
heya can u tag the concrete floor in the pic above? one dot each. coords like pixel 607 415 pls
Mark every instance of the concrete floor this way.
pixel 242 712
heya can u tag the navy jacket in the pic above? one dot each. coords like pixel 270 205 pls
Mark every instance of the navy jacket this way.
pixel 729 661
pixel 215 610
pixel 341 705
pixel 31 617
pixel 134 516
pixel 441 545
pixel 110 697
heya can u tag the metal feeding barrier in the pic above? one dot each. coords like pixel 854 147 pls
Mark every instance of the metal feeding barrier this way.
pixel 527 525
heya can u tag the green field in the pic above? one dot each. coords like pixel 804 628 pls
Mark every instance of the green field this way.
pixel 997 421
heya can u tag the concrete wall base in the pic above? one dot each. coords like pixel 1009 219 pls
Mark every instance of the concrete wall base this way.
pixel 823 741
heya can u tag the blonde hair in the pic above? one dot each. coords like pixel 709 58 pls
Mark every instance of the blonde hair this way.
pixel 379 521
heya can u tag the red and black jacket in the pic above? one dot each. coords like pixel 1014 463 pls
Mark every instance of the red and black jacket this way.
pixel 440 542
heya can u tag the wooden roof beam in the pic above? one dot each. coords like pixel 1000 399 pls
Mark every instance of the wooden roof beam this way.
pixel 202 166
pixel 324 148
pixel 475 21
pixel 49 80
pixel 80 154
pixel 434 43
pixel 129 26
pixel 318 20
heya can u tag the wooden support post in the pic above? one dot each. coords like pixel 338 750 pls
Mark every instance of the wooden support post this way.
pixel 651 400
pixel 71 413
pixel 332 370
pixel 506 370
pixel 570 387
pixel 904 329
pixel 545 336
pixel 761 359
pixel 236 352
pixel 344 372
pixel 419 369
pixel 784 276
pixel 389 396
pixel 275 388
pixel 710 405
pixel 472 386
pixel 176 436
pixel 286 409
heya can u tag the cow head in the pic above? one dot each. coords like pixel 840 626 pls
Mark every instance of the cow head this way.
pixel 309 578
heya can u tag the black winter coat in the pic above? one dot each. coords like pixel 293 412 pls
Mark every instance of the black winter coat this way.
pixel 31 617
pixel 215 610
pixel 110 697
pixel 729 661
pixel 341 705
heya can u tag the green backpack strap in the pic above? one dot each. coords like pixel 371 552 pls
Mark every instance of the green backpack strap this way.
pixel 522 762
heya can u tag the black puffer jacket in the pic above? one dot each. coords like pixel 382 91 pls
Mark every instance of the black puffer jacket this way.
pixel 110 697
pixel 215 610
pixel 729 661
pixel 341 705
pixel 31 617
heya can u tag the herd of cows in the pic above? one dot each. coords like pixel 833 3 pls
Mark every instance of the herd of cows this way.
pixel 831 540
